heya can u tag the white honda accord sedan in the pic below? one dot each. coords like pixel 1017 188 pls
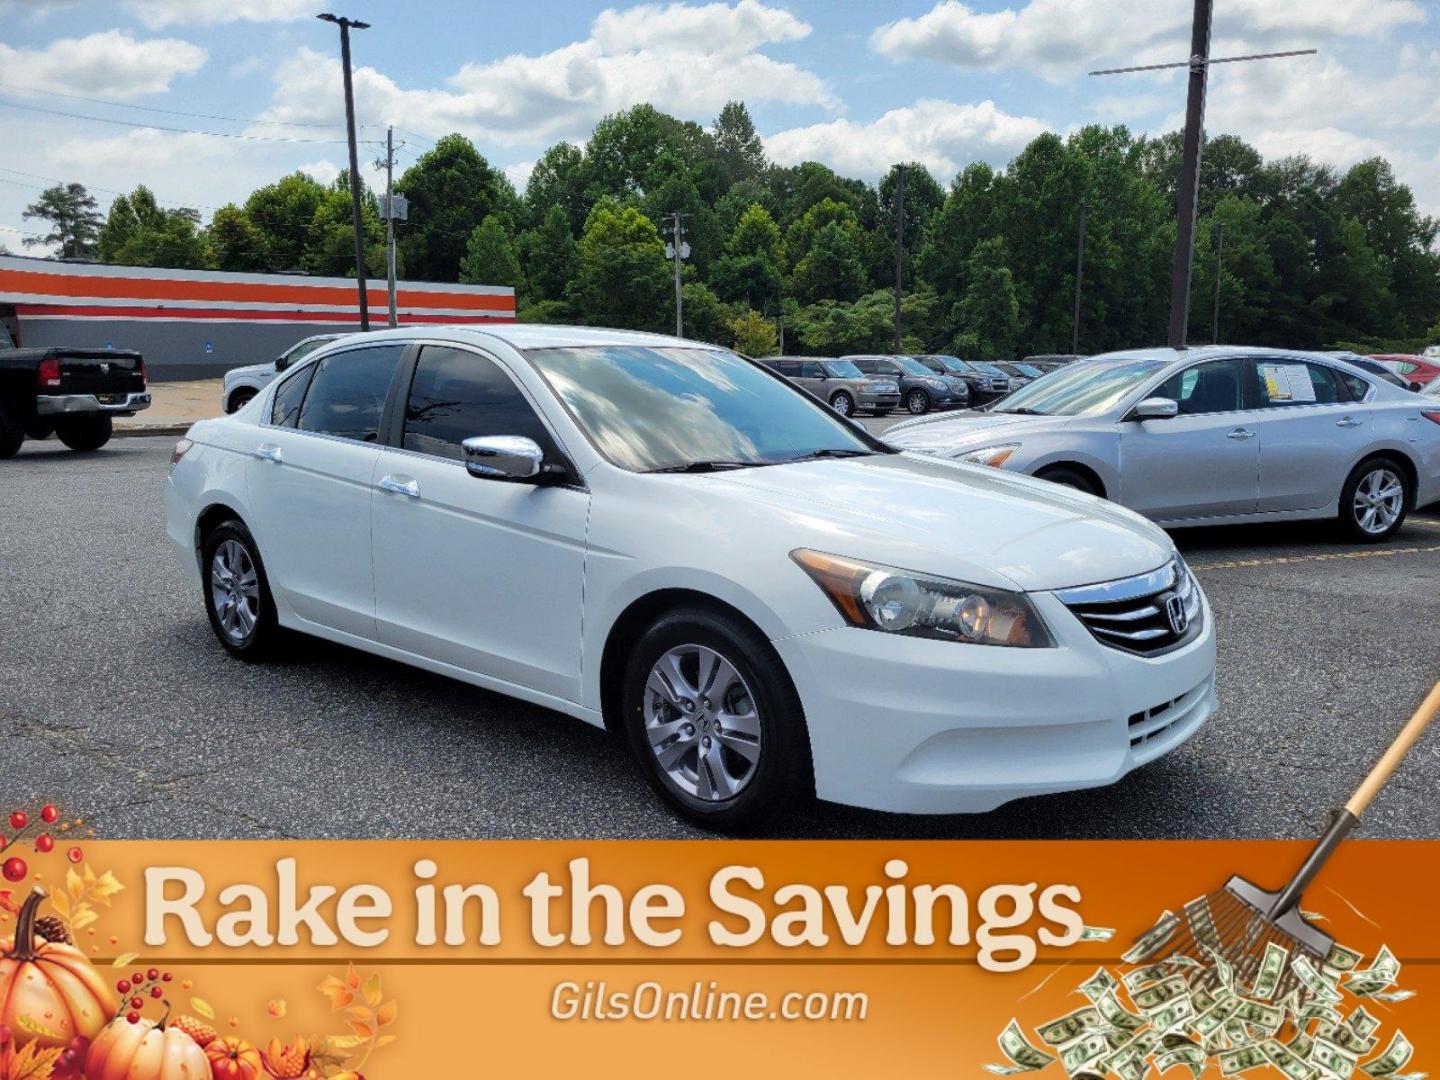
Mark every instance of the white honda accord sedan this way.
pixel 1212 436
pixel 671 541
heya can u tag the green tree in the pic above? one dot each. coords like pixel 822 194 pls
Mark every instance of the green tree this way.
pixel 923 197
pixel 625 148
pixel 140 232
pixel 73 217
pixel 451 189
pixel 548 255
pixel 330 245
pixel 750 268
pixel 754 334
pixel 672 187
pixel 831 269
pixel 490 257
pixel 739 150
pixel 830 327
pixel 283 212
pixel 706 318
pixel 558 180
pixel 967 216
pixel 236 243
pixel 622 278
pixel 988 316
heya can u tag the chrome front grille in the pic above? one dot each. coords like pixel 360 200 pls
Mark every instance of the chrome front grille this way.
pixel 1145 615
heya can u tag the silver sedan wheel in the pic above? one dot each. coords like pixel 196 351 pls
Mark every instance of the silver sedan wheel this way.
pixel 234 590
pixel 701 723
pixel 1379 500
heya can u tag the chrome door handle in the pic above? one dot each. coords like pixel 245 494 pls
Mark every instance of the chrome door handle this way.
pixel 399 487
pixel 1347 422
pixel 1240 433
pixel 267 452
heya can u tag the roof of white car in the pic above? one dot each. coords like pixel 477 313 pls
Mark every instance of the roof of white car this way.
pixel 540 336
pixel 1198 352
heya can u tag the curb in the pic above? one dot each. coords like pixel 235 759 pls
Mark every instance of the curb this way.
pixel 149 429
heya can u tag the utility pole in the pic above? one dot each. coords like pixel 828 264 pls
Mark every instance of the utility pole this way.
pixel 389 166
pixel 899 244
pixel 1215 316
pixel 345 26
pixel 1199 65
pixel 1079 281
pixel 679 249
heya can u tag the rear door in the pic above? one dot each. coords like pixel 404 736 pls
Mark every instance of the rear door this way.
pixel 812 377
pixel 1205 462
pixel 1311 432
pixel 309 485
pixel 484 575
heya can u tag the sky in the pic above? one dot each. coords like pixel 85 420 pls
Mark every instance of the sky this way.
pixel 114 93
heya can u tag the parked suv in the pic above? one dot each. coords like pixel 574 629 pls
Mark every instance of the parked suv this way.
pixel 986 383
pixel 243 383
pixel 838 383
pixel 920 388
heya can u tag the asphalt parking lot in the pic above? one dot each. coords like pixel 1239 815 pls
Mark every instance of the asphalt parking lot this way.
pixel 116 700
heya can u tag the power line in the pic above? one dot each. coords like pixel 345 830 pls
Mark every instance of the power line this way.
pixel 161 127
pixel 167 112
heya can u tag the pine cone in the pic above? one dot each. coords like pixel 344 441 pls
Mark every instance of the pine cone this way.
pixel 52 929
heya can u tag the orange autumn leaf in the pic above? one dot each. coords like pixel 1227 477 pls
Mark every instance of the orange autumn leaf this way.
pixel 386 1013
pixel 30 1062
pixel 365 1031
pixel 339 994
pixel 352 977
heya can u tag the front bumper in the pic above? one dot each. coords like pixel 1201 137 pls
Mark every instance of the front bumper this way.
pixel 877 401
pixel 81 404
pixel 918 726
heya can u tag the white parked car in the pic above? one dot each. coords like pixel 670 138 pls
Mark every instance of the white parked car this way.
pixel 243 383
pixel 1210 436
pixel 672 541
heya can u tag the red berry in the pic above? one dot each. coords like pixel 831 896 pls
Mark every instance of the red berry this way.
pixel 19 819
pixel 49 814
pixel 123 986
pixel 157 993
pixel 152 974
pixel 138 978
pixel 44 843
pixel 137 1003
pixel 166 977
pixel 75 854
pixel 133 1017
pixel 15 869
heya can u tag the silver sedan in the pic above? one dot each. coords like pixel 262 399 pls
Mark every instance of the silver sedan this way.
pixel 1211 436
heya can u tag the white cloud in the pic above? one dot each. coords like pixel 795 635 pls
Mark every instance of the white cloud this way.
pixel 684 59
pixel 324 171
pixel 1057 38
pixel 111 63
pixel 519 173
pixel 161 13
pixel 945 136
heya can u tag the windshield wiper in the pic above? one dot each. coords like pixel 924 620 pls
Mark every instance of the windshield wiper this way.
pixel 1022 412
pixel 705 466
pixel 829 452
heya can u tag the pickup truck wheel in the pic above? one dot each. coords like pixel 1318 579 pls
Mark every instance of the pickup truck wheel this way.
pixel 713 718
pixel 39 429
pixel 237 594
pixel 85 433
pixel 12 434
pixel 240 398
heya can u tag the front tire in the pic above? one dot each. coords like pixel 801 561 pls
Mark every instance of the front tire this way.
pixel 843 403
pixel 713 719
pixel 917 402
pixel 240 398
pixel 84 434
pixel 237 593
pixel 1375 500
pixel 12 433
pixel 1070 478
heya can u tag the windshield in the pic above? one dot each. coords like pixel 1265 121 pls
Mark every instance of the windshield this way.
pixel 843 369
pixel 913 366
pixel 988 369
pixel 650 408
pixel 1084 390
pixel 952 364
pixel 1028 371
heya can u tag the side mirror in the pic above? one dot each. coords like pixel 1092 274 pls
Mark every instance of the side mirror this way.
pixel 281 363
pixel 1156 408
pixel 1417 386
pixel 503 457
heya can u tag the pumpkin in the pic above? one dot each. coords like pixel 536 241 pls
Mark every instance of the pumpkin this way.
pixel 233 1059
pixel 49 993
pixel 145 1051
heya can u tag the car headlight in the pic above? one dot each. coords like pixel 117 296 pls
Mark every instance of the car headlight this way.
pixel 994 456
pixel 876 597
pixel 935 384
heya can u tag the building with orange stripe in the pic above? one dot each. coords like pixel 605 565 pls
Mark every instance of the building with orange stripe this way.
pixel 197 323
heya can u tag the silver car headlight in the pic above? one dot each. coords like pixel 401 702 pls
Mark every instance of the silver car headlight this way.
pixel 872 596
pixel 935 384
pixel 994 456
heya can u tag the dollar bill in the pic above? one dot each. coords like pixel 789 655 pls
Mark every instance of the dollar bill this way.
pixel 1083 1052
pixel 1382 973
pixel 1102 982
pixel 1202 923
pixel 1391 996
pixel 1313 981
pixel 1361 1022
pixel 1287 1061
pixel 1223 971
pixel 1173 1015
pixel 1160 994
pixel 1272 966
pixel 1023 1057
pixel 1342 959
pixel 1116 1015
pixel 1302 1044
pixel 1346 1038
pixel 1396 1056
pixel 1153 940
pixel 1097 933
pixel 1267 1017
pixel 1148 973
pixel 1069 1027
pixel 1335 1060
pixel 1213 1019
pixel 1191 1056
pixel 1241 1059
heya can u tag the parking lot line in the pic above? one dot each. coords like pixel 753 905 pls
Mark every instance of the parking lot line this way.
pixel 1424 523
pixel 1237 564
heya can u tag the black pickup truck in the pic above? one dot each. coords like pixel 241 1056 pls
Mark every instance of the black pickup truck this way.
pixel 71 393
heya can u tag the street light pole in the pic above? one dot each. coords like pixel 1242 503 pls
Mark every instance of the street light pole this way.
pixel 345 27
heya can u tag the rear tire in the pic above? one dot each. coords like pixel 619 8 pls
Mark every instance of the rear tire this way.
pixel 85 433
pixel 240 398
pixel 1375 500
pixel 843 403
pixel 12 434
pixel 917 403
pixel 1070 478
pixel 237 593
pixel 38 429
pixel 686 737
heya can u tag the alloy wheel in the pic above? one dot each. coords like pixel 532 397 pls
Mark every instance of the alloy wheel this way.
pixel 701 723
pixel 1379 500
pixel 843 405
pixel 917 402
pixel 234 591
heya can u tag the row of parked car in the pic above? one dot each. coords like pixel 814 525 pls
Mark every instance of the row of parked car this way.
pixel 879 384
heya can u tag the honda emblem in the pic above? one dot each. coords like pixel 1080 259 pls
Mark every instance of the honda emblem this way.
pixel 1176 615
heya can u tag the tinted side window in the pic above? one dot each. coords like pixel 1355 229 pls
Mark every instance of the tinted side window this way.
pixel 1206 388
pixel 811 369
pixel 789 368
pixel 285 409
pixel 457 395
pixel 1285 383
pixel 347 394
pixel 304 349
pixel 866 365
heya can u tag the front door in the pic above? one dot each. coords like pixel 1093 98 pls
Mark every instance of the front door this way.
pixel 1205 462
pixel 485 575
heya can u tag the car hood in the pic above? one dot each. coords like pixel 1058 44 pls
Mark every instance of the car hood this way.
pixel 940 517
pixel 940 434
pixel 251 371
